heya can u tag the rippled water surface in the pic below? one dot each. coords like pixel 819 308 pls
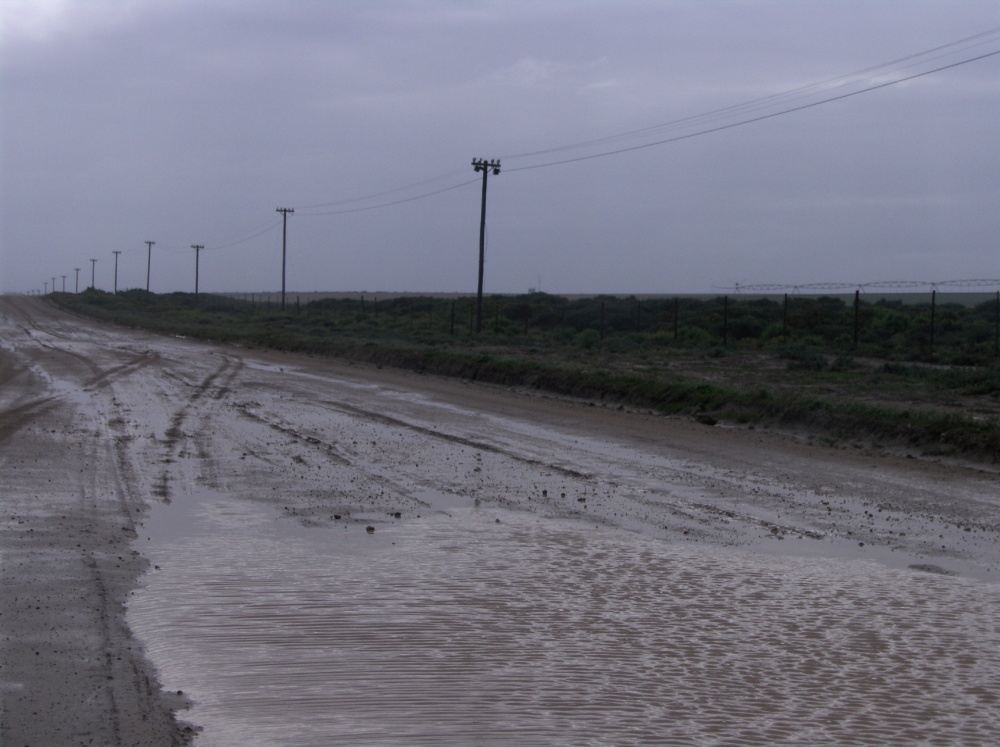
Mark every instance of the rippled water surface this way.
pixel 478 627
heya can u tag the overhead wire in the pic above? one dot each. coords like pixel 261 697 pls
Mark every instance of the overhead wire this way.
pixel 749 120
pixel 420 196
pixel 375 195
pixel 744 108
pixel 791 95
pixel 705 118
pixel 741 111
pixel 270 226
pixel 231 240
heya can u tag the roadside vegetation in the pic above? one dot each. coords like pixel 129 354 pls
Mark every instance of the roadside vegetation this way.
pixel 920 378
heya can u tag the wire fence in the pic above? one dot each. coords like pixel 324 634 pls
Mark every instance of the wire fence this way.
pixel 962 329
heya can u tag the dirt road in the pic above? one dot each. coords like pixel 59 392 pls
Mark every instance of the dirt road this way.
pixel 98 424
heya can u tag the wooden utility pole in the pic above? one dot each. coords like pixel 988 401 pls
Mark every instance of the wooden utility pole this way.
pixel 116 253
pixel 284 236
pixel 64 283
pixel 93 264
pixel 77 279
pixel 197 249
pixel 486 167
pixel 149 260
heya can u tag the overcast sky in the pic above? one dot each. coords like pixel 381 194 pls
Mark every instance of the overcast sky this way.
pixel 190 121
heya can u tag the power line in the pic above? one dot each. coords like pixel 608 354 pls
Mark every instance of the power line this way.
pixel 756 104
pixel 255 233
pixel 243 237
pixel 393 202
pixel 896 65
pixel 751 120
pixel 384 193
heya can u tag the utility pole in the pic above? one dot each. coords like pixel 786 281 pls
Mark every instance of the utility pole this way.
pixel 284 235
pixel 93 264
pixel 486 167
pixel 46 283
pixel 197 248
pixel 77 279
pixel 64 283
pixel 149 259
pixel 53 283
pixel 116 253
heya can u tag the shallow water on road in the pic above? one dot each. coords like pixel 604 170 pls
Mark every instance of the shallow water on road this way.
pixel 474 626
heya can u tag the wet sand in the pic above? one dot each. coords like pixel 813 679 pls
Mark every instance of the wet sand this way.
pixel 493 627
pixel 650 580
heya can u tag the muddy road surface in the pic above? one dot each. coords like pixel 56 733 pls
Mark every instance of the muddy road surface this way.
pixel 209 544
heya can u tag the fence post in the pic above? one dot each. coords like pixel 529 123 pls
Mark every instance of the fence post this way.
pixel 933 309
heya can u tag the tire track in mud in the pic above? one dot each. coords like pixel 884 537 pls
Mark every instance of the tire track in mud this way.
pixel 208 390
pixel 328 450
pixel 129 685
pixel 359 487
pixel 553 501
pixel 109 376
pixel 693 512
pixel 688 515
pixel 451 438
pixel 26 409
pixel 80 675
pixel 374 482
pixel 691 518
pixel 14 419
pixel 666 497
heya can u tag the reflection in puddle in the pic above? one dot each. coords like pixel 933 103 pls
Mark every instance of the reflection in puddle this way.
pixel 459 630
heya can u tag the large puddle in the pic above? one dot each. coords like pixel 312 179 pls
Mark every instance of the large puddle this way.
pixel 473 626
